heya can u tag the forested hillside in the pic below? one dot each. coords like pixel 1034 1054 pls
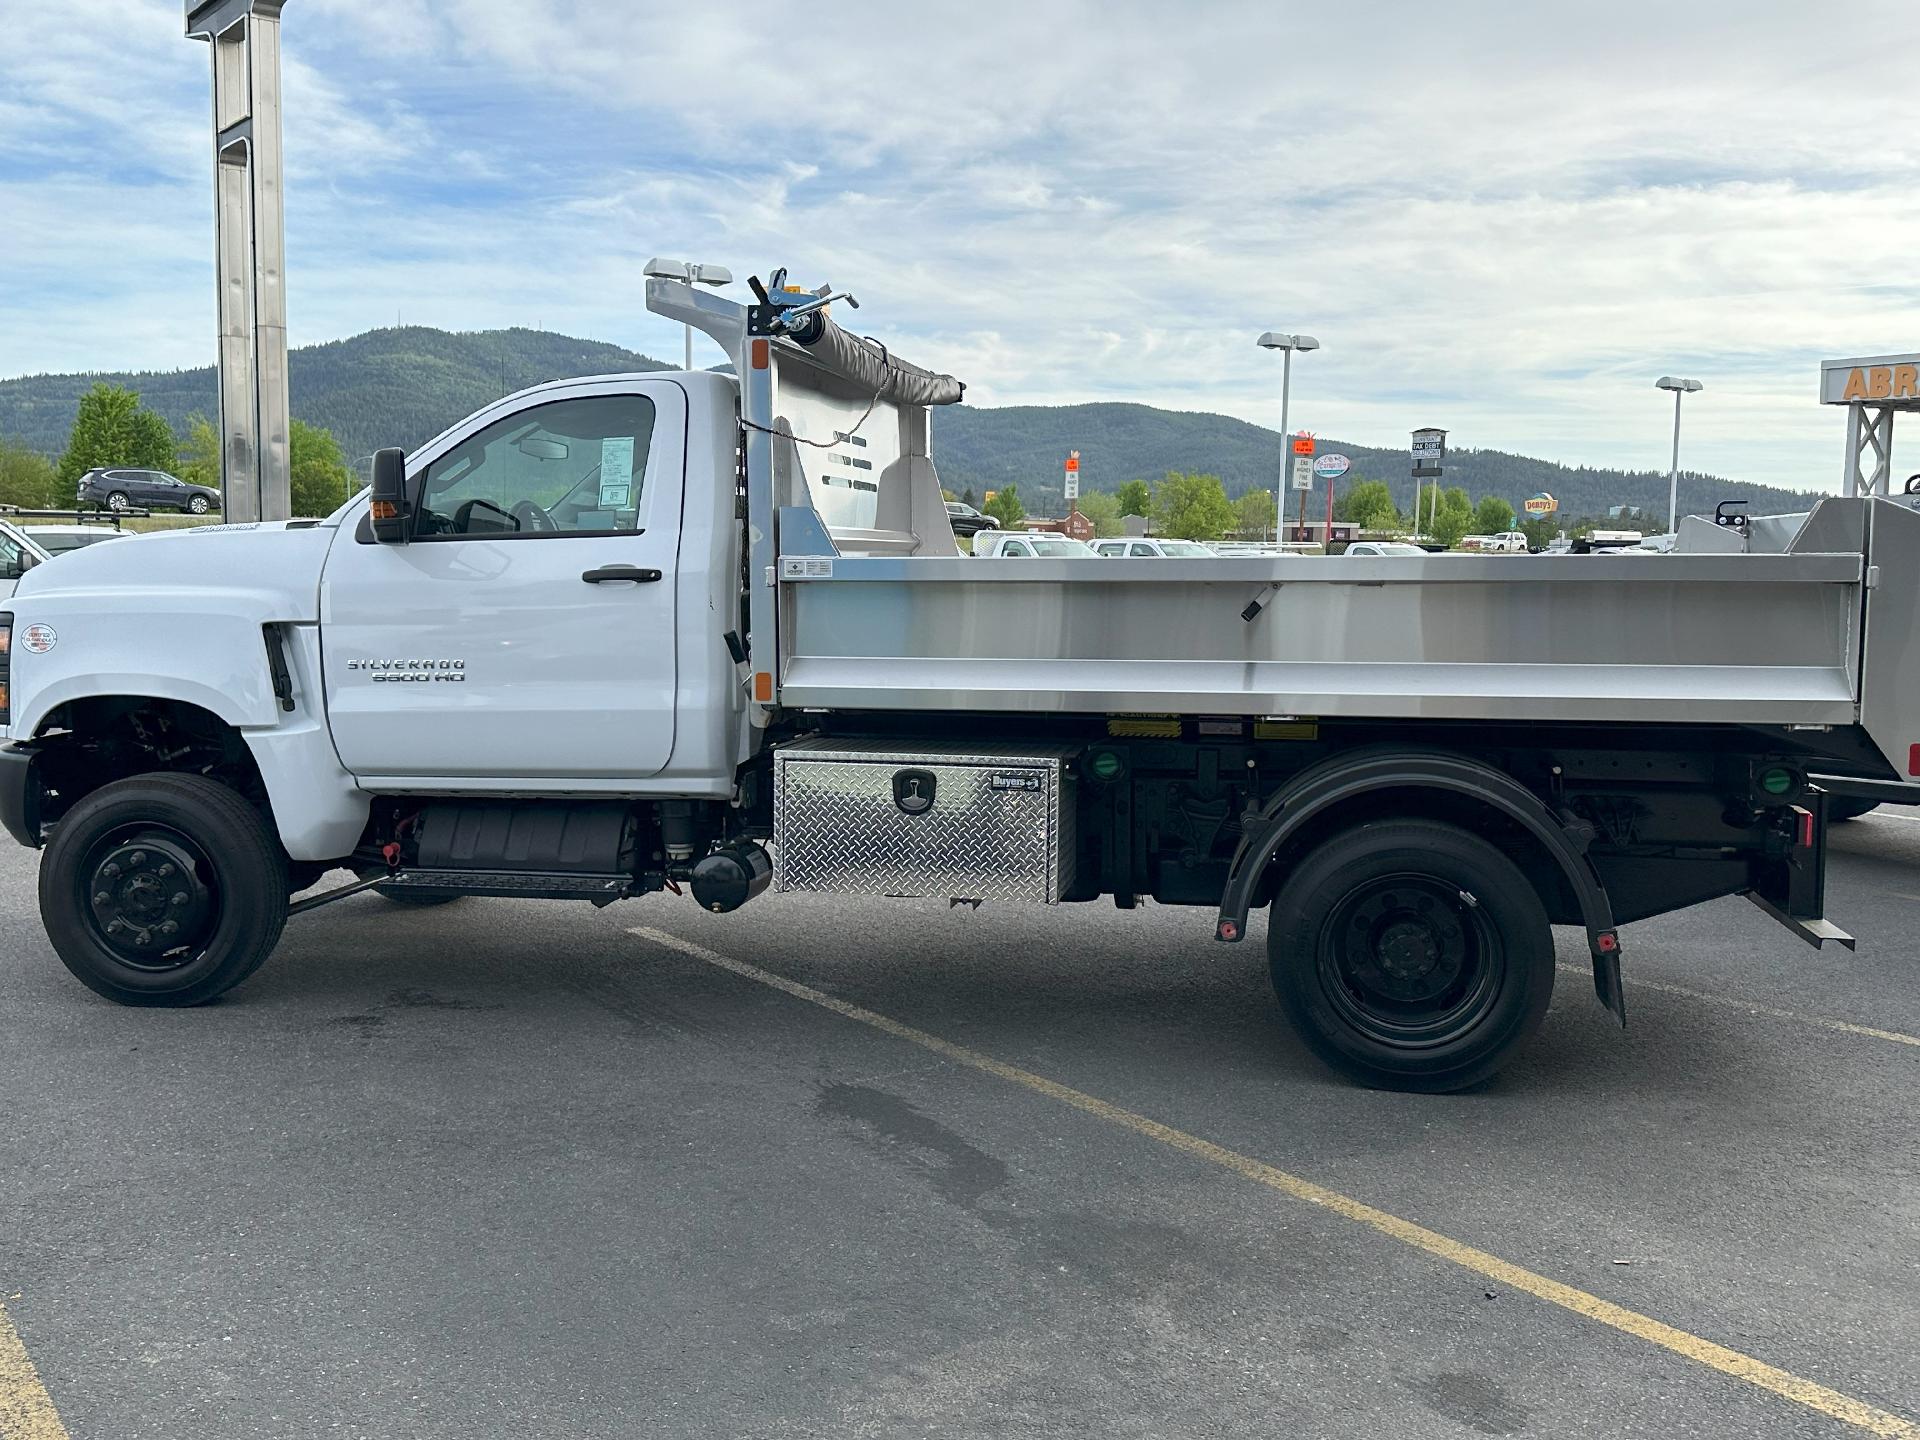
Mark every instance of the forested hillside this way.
pixel 402 386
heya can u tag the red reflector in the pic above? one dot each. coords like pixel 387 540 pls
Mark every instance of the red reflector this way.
pixel 1229 930
pixel 760 363
pixel 1606 942
pixel 1913 760
pixel 1803 819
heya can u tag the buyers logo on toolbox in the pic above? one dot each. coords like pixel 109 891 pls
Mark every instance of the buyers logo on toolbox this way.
pixel 414 671
pixel 38 638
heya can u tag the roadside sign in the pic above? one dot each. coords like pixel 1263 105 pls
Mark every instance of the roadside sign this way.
pixel 1331 466
pixel 1541 504
pixel 1429 449
pixel 1303 444
pixel 1073 475
pixel 1302 472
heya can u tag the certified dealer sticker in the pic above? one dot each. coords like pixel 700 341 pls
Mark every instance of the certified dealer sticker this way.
pixel 38 638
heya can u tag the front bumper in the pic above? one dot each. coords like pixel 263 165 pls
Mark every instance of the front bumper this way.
pixel 20 794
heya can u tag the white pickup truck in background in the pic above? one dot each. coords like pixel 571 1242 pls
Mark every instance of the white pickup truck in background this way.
pixel 613 636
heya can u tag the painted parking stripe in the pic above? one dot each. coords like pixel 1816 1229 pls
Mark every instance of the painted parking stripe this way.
pixel 1753 1007
pixel 1643 1327
pixel 26 1410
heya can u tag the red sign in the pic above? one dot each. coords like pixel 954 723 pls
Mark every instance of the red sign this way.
pixel 1073 461
pixel 1303 444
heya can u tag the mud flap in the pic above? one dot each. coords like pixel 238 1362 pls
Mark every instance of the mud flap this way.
pixel 1605 946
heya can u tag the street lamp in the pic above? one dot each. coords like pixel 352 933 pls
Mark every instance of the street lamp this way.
pixel 1679 387
pixel 692 274
pixel 1286 344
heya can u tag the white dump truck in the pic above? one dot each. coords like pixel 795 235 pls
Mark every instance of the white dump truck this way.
pixel 614 636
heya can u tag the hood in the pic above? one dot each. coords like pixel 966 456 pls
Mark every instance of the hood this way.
pixel 278 558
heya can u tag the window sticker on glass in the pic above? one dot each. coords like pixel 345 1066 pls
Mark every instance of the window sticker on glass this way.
pixel 616 472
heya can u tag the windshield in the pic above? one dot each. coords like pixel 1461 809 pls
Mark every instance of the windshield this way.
pixel 1394 549
pixel 1059 547
pixel 1184 548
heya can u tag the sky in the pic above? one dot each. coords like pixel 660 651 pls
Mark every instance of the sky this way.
pixel 1502 219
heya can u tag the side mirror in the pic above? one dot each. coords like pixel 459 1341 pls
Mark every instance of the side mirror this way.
pixel 390 512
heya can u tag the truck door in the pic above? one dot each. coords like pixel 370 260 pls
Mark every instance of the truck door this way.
pixel 527 630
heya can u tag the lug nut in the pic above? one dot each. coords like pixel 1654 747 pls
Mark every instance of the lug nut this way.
pixel 138 857
pixel 168 927
pixel 179 897
pixel 101 897
pixel 164 871
pixel 145 937
pixel 111 870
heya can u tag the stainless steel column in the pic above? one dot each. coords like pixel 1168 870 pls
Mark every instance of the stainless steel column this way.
pixel 250 229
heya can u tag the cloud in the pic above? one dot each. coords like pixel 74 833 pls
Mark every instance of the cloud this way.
pixel 1507 220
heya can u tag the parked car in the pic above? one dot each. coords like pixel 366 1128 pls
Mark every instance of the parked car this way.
pixel 1031 544
pixel 58 539
pixel 968 521
pixel 1507 542
pixel 1142 547
pixel 126 489
pixel 1383 547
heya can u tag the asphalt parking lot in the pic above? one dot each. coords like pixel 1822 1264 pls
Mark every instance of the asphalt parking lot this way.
pixel 506 1169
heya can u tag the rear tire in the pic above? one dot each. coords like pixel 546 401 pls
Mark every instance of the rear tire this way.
pixel 1411 955
pixel 163 890
pixel 118 501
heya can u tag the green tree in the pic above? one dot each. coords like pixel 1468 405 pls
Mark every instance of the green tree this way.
pixel 112 428
pixel 199 453
pixel 1005 507
pixel 1452 518
pixel 1368 504
pixel 1253 513
pixel 321 480
pixel 27 478
pixel 1540 531
pixel 1103 510
pixel 1191 507
pixel 1135 497
pixel 1492 515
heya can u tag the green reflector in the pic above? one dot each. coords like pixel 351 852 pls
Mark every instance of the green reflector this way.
pixel 1777 781
pixel 1105 765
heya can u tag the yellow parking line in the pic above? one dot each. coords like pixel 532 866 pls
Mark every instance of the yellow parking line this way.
pixel 1843 1027
pixel 26 1410
pixel 1705 1352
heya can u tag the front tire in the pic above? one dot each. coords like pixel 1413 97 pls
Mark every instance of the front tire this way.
pixel 198 505
pixel 163 890
pixel 1411 955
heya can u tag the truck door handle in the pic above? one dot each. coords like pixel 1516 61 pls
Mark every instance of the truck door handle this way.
pixel 619 572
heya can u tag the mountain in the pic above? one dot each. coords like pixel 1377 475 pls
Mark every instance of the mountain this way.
pixel 404 385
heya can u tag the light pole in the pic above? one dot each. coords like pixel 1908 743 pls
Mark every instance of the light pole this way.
pixel 1679 387
pixel 687 270
pixel 1286 344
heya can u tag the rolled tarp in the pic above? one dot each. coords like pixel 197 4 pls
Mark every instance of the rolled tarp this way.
pixel 873 368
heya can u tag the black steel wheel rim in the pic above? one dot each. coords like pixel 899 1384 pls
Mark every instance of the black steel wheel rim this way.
pixel 150 897
pixel 1410 961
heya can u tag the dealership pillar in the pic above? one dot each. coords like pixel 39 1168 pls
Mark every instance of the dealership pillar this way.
pixel 250 253
pixel 1872 388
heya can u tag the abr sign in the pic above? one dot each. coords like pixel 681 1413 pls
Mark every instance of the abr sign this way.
pixel 1874 380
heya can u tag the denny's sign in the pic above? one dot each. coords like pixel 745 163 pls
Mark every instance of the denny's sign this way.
pixel 1873 380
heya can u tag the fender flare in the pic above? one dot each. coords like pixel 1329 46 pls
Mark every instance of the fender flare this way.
pixel 1333 782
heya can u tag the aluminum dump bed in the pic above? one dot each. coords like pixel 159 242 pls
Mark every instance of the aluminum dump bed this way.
pixel 859 600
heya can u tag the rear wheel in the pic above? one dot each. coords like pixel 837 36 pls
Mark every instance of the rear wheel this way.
pixel 1411 955
pixel 163 890
pixel 118 501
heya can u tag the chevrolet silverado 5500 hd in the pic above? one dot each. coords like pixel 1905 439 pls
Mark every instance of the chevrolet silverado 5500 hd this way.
pixel 613 635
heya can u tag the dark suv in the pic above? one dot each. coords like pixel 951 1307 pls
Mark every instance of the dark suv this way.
pixel 967 520
pixel 144 490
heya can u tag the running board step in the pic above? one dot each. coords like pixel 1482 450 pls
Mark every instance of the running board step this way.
pixel 522 884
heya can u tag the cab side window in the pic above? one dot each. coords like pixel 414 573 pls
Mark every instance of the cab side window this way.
pixel 574 467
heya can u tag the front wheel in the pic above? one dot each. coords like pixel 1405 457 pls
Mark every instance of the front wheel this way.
pixel 1411 955
pixel 163 890
pixel 198 505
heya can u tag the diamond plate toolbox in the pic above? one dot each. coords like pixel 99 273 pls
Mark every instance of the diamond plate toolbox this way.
pixel 977 821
